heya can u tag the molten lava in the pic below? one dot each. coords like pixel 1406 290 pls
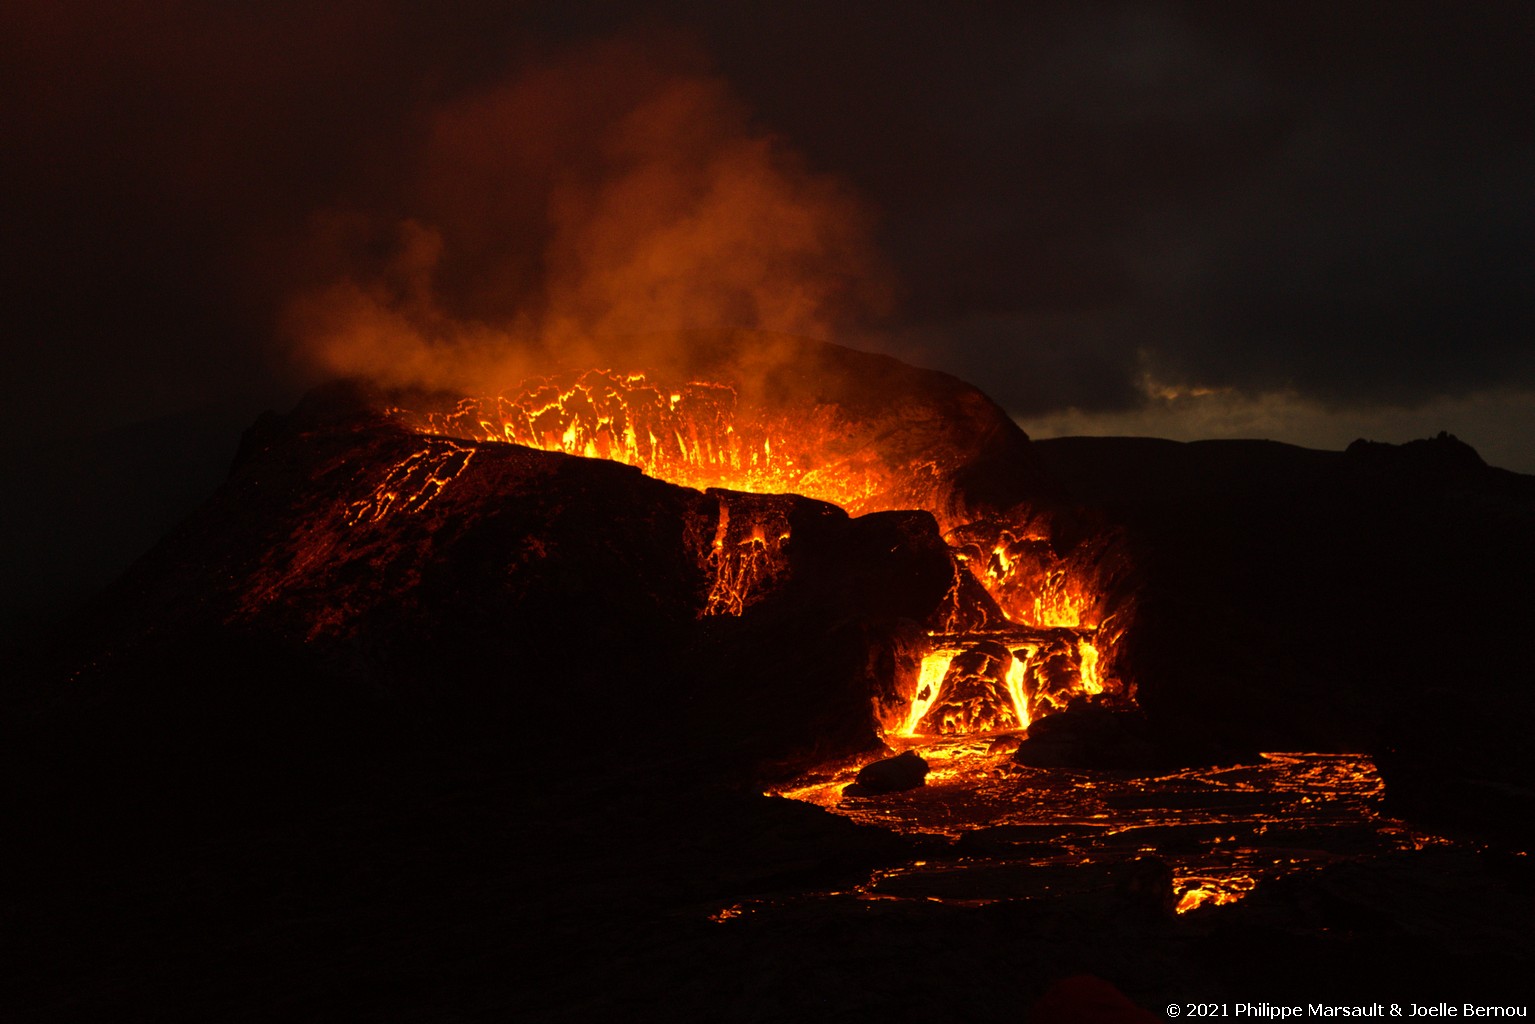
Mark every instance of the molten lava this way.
pixel 413 482
pixel 1222 830
pixel 1025 645
pixel 689 434
pixel 747 556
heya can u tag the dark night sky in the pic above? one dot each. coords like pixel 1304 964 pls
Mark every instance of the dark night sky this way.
pixel 1307 221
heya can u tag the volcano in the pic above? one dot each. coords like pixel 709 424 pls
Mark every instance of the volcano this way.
pixel 512 687
pixel 840 487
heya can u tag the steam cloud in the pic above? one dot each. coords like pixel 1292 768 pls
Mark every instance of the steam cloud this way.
pixel 602 202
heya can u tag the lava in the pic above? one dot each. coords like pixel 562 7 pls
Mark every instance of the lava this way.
pixel 1222 830
pixel 692 434
pixel 746 557
pixel 935 669
pixel 1034 650
pixel 411 484
pixel 978 694
pixel 1195 891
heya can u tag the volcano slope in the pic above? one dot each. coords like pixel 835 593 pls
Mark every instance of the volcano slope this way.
pixel 1376 599
pixel 378 677
pixel 409 726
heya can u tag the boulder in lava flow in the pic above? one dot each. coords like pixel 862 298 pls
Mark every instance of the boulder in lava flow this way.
pixel 1090 736
pixel 891 775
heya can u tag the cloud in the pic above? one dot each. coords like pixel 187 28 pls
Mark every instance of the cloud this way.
pixel 1498 422
pixel 1312 202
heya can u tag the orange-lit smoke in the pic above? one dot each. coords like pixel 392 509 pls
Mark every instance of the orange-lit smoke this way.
pixel 596 200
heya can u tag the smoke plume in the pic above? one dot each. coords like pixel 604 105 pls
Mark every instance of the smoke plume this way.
pixel 594 205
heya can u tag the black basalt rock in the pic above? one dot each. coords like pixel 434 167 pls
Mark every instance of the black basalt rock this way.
pixel 891 775
pixel 1093 737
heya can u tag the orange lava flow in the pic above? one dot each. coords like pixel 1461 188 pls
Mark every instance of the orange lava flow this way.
pixel 690 434
pixel 699 434
pixel 412 484
pixel 745 558
pixel 1211 890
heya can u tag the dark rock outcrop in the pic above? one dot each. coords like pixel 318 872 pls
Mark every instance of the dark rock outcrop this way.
pixel 1373 600
pixel 890 775
pixel 467 594
pixel 1090 736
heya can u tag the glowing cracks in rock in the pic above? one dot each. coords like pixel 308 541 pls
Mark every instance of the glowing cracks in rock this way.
pixel 412 483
